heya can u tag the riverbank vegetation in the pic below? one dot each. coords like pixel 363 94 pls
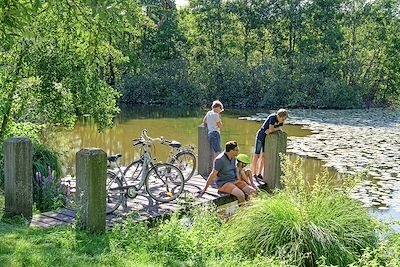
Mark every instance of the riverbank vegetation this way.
pixel 301 226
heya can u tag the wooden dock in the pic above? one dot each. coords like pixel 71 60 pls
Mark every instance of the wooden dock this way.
pixel 143 207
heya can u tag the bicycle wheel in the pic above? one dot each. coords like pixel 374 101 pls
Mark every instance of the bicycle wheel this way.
pixel 186 162
pixel 114 195
pixel 164 182
pixel 133 173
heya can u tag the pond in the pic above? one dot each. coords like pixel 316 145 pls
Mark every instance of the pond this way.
pixel 182 125
pixel 173 124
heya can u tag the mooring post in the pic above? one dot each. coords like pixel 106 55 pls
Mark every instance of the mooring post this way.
pixel 18 177
pixel 275 144
pixel 205 153
pixel 91 171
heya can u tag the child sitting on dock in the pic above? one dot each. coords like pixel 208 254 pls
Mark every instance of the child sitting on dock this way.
pixel 244 174
pixel 273 123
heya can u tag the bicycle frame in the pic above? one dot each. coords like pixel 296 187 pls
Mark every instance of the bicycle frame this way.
pixel 174 151
pixel 147 165
pixel 170 177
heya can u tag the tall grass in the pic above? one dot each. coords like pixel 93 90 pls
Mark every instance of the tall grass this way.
pixel 304 223
pixel 197 239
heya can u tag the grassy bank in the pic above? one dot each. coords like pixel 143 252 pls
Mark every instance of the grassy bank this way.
pixel 172 243
pixel 302 226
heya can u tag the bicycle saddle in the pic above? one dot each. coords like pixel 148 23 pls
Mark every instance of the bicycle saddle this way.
pixel 175 144
pixel 114 158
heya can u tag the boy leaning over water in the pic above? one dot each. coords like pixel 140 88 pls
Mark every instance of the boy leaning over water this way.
pixel 273 123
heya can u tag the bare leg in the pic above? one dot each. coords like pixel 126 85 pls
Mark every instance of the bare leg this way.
pixel 239 194
pixel 254 163
pixel 244 177
pixel 250 180
pixel 250 191
pixel 262 163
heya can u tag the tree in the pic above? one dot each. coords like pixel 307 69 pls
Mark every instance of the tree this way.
pixel 53 57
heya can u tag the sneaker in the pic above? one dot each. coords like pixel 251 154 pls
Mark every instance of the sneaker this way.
pixel 259 178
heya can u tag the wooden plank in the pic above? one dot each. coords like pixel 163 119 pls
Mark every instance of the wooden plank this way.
pixel 58 216
pixel 44 221
pixel 68 212
pixel 36 222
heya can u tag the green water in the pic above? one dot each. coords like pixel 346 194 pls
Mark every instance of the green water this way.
pixel 175 124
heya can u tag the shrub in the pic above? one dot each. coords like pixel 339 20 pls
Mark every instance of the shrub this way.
pixel 303 225
pixel 48 192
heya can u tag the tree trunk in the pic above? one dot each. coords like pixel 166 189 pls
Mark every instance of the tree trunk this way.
pixel 7 112
pixel 10 98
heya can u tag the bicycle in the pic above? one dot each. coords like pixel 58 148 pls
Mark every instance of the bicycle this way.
pixel 182 157
pixel 163 181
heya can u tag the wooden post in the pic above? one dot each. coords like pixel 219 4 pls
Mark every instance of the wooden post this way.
pixel 18 177
pixel 91 169
pixel 205 152
pixel 275 144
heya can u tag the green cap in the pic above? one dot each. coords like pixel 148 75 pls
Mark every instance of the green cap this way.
pixel 243 158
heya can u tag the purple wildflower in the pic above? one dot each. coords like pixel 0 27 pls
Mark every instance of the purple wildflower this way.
pixel 60 186
pixel 37 177
pixel 50 176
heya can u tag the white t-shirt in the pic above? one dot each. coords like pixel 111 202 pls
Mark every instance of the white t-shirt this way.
pixel 212 118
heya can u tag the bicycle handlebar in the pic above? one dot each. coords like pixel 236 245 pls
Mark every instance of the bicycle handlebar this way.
pixel 152 140
pixel 145 139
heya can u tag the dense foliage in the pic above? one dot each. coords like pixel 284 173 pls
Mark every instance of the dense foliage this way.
pixel 319 54
pixel 53 63
pixel 52 56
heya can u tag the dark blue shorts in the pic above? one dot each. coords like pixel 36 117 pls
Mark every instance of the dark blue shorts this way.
pixel 215 141
pixel 259 146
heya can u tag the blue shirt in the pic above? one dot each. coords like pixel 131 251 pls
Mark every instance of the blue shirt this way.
pixel 226 169
pixel 271 119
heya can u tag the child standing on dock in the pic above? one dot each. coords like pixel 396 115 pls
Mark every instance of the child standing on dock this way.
pixel 214 124
pixel 273 123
